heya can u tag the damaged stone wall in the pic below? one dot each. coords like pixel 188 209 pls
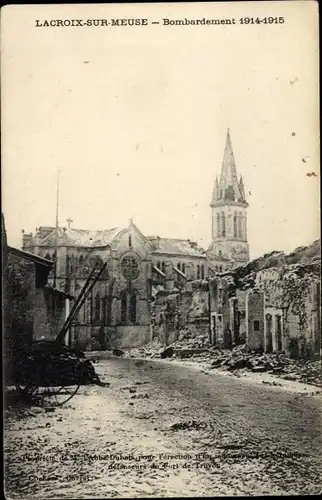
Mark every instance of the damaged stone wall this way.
pixel 278 299
pixel 21 291
pixel 185 313
pixel 255 320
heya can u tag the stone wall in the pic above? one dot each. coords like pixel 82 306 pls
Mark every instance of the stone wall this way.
pixel 282 309
pixel 185 310
pixel 255 320
pixel 20 294
pixel 49 313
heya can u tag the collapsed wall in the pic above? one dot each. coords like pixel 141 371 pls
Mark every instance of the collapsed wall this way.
pixel 272 304
pixel 181 314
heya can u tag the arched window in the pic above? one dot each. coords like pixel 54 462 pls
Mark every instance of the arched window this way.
pixel 128 306
pixel 71 264
pixel 179 266
pixel 235 225
pixel 123 306
pixel 219 253
pixel 218 225
pixel 104 309
pixel 183 268
pixel 202 271
pixel 220 269
pixel 159 265
pixel 97 309
pixel 132 308
pixel 81 260
pixel 198 272
pixel 163 267
pixel 67 264
pixel 216 268
pixel 47 256
pixel 130 240
pixel 240 225
pixel 223 224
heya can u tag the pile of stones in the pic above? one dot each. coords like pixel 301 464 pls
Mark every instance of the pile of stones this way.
pixel 242 358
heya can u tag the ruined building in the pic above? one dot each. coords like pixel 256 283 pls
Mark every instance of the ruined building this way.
pixel 229 246
pixel 141 269
pixel 118 312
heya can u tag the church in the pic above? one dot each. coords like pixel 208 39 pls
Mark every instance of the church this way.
pixel 139 266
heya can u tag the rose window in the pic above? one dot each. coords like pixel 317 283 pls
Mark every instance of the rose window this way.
pixel 130 268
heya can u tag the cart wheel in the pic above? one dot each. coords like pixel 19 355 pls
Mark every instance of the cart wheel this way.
pixel 48 396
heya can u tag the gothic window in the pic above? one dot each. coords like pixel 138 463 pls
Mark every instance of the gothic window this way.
pixel 108 310
pixel 240 225
pixel 198 272
pixel 130 267
pixel 97 310
pixel 183 268
pixel 104 309
pixel 202 269
pixel 130 240
pixel 163 267
pixel 84 313
pixel 71 264
pixel 223 224
pixel 67 264
pixel 123 306
pixel 128 306
pixel 179 266
pixel 218 225
pixel 132 308
pixel 235 225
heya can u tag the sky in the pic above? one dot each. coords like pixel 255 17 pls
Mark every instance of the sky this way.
pixel 135 119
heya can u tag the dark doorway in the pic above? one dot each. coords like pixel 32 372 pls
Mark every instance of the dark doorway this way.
pixel 269 335
pixel 279 341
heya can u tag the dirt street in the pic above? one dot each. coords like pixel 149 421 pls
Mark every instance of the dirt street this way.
pixel 166 429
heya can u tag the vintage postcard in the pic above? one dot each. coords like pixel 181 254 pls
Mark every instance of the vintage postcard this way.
pixel 161 250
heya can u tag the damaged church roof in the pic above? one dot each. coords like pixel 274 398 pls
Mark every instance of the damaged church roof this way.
pixel 71 237
pixel 176 247
pixel 79 237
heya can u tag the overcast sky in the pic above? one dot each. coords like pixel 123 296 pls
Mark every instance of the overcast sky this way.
pixel 136 120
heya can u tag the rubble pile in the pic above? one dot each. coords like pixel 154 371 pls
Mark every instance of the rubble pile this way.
pixel 189 340
pixel 237 360
pixel 150 350
pixel 242 358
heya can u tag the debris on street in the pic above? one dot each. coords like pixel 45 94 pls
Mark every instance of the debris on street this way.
pixel 238 360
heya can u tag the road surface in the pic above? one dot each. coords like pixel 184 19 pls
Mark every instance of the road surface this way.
pixel 166 429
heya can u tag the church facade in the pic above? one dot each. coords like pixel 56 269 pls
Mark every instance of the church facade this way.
pixel 118 311
pixel 119 308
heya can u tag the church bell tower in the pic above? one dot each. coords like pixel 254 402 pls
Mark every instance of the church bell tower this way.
pixel 229 247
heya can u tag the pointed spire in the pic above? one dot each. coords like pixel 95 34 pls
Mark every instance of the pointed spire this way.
pixel 242 188
pixel 228 176
pixel 215 192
